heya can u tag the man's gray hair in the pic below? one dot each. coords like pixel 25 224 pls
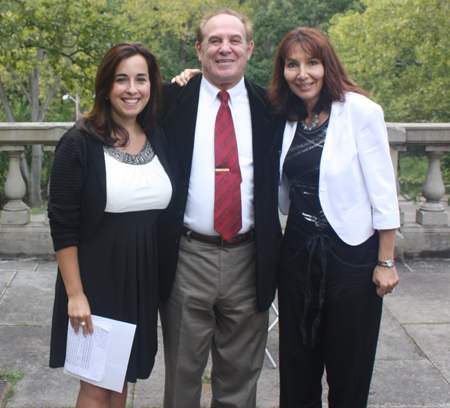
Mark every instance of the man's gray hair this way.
pixel 216 11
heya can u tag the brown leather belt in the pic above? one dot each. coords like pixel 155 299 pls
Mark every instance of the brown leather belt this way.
pixel 219 241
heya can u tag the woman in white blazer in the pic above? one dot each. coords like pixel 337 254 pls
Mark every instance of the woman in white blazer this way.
pixel 336 260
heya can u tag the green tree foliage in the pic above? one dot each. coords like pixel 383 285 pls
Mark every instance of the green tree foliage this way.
pixel 168 28
pixel 48 42
pixel 276 18
pixel 399 50
pixel 44 44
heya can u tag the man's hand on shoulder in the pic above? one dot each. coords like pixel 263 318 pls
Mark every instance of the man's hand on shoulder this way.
pixel 185 76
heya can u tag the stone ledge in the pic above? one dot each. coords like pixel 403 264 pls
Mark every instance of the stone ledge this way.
pixel 25 241
pixel 426 241
pixel 34 241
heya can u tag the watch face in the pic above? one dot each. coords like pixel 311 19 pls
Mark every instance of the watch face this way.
pixel 388 264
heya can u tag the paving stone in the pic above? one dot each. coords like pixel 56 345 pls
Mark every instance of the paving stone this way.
pixel 407 383
pixel 402 268
pixel 29 299
pixel 434 341
pixel 268 391
pixel 41 385
pixel 5 279
pixel 410 405
pixel 269 381
pixel 421 297
pixel 150 393
pixel 428 264
pixel 393 342
pixel 47 266
pixel 17 265
pixel 405 376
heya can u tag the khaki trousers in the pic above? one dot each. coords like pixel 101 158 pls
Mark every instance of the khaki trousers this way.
pixel 212 307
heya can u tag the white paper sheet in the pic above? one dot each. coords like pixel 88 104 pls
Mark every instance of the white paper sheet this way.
pixel 102 358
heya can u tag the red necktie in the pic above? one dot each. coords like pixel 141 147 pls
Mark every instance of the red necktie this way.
pixel 227 206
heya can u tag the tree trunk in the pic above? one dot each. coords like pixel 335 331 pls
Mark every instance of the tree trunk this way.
pixel 34 191
pixel 6 106
pixel 182 55
pixel 49 98
pixel 183 47
pixel 34 195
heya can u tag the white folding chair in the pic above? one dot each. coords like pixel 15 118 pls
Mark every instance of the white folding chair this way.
pixel 270 328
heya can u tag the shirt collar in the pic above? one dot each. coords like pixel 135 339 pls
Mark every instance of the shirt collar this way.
pixel 211 92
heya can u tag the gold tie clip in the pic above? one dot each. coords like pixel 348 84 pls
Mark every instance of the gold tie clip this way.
pixel 222 169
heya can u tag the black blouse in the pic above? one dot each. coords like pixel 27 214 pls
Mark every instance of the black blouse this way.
pixel 301 166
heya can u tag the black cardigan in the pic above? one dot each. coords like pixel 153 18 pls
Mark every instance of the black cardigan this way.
pixel 78 186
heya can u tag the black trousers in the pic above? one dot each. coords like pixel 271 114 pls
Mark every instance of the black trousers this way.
pixel 330 316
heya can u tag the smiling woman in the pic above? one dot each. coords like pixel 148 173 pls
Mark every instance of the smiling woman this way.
pixel 109 183
pixel 336 259
pixel 304 75
pixel 131 90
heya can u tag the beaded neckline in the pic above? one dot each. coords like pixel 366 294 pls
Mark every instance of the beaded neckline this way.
pixel 145 156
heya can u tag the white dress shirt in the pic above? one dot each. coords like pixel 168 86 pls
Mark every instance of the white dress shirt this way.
pixel 199 213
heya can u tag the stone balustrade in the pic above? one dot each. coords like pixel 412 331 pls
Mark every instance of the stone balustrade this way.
pixel 434 138
pixel 432 223
pixel 430 234
pixel 14 137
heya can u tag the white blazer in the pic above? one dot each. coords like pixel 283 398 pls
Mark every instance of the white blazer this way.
pixel 357 189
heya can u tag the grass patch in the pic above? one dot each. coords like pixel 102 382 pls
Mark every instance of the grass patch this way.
pixel 206 379
pixel 11 377
pixel 25 324
pixel 39 210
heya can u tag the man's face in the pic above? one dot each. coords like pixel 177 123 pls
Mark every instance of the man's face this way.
pixel 224 51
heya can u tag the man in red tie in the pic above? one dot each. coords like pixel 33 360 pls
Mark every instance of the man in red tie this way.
pixel 218 239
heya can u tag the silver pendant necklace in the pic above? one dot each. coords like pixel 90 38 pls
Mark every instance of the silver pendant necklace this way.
pixel 311 126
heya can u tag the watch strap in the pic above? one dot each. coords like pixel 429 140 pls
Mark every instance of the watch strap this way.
pixel 388 263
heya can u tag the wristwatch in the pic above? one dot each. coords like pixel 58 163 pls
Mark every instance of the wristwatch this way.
pixel 388 264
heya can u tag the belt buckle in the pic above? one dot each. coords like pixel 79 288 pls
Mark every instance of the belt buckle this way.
pixel 224 243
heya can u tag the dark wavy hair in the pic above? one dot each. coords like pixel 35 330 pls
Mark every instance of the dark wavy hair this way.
pixel 99 123
pixel 335 82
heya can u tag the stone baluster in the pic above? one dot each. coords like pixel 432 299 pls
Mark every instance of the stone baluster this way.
pixel 51 152
pixel 399 239
pixel 432 212
pixel 394 150
pixel 15 211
